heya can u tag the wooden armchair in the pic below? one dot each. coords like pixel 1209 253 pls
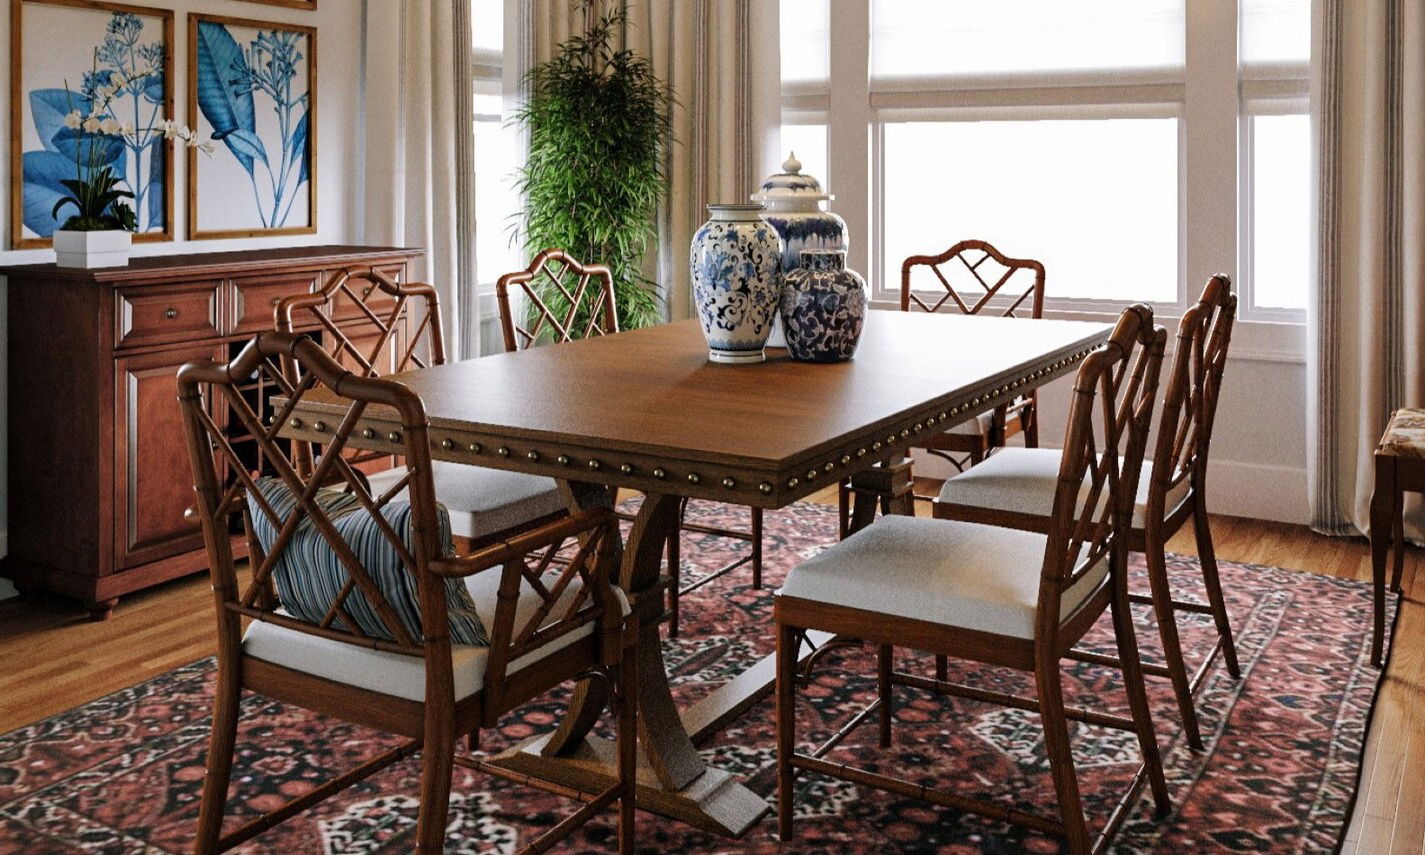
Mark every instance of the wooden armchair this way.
pixel 997 596
pixel 361 629
pixel 1015 488
pixel 583 305
pixel 389 327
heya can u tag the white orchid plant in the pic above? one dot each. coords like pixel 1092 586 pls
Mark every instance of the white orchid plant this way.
pixel 98 199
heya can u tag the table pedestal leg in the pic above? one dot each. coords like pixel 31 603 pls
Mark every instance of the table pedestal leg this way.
pixel 673 780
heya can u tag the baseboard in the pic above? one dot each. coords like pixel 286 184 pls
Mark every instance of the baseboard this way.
pixel 1254 490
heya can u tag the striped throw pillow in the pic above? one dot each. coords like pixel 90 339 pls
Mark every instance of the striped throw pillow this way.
pixel 309 575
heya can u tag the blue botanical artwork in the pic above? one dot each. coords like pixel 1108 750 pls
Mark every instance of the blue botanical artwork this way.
pixel 253 99
pixel 96 97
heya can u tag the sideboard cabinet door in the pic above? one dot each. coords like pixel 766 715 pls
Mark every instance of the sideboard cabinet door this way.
pixel 153 482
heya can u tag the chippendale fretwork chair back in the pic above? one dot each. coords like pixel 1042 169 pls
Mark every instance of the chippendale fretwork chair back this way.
pixel 564 299
pixel 978 279
pixel 357 623
pixel 390 327
pixel 556 312
pixel 905 578
pixel 1013 488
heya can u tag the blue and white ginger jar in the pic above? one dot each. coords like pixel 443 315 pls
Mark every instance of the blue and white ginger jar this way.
pixel 823 308
pixel 793 203
pixel 736 261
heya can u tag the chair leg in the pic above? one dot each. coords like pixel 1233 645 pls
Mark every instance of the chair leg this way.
pixel 756 549
pixel 437 764
pixel 1382 525
pixel 220 760
pixel 1397 537
pixel 1207 559
pixel 884 661
pixel 788 642
pixel 843 507
pixel 1029 422
pixel 942 668
pixel 1168 632
pixel 626 699
pixel 1137 692
pixel 1061 759
pixel 472 741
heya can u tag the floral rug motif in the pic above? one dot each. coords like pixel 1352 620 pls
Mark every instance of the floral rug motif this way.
pixel 123 774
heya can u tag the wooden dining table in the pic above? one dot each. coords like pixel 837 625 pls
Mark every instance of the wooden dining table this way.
pixel 645 410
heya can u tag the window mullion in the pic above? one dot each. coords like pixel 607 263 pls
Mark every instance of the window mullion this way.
pixel 848 122
pixel 1210 110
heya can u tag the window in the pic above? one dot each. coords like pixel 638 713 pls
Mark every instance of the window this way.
pixel 497 151
pixel 1092 136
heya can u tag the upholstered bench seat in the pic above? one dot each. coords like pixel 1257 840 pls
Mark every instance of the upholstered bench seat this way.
pixel 404 676
pixel 957 574
pixel 1022 480
pixel 483 501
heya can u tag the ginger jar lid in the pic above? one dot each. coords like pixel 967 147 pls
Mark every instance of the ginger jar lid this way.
pixel 790 189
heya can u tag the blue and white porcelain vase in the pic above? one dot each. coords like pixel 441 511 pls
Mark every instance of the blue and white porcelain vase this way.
pixel 823 307
pixel 793 203
pixel 736 262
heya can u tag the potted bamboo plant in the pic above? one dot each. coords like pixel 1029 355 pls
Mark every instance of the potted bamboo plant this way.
pixel 598 124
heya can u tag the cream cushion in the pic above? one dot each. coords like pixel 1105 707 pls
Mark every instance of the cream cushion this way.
pixel 978 426
pixel 404 676
pixel 483 501
pixel 952 573
pixel 1023 480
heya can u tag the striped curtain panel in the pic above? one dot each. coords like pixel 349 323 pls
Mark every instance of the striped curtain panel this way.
pixel 721 62
pixel 419 149
pixel 1367 345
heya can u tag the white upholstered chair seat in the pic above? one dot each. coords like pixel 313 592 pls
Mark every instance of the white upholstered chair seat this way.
pixel 978 426
pixel 483 501
pixel 1023 480
pixel 952 573
pixel 404 676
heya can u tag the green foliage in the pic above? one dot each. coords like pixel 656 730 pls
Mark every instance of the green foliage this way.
pixel 98 204
pixel 598 122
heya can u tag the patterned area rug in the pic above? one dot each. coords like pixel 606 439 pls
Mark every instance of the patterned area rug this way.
pixel 122 774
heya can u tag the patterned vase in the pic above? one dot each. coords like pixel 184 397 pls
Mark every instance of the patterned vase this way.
pixel 793 203
pixel 736 262
pixel 823 307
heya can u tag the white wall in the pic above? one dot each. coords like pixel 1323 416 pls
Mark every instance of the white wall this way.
pixel 339 185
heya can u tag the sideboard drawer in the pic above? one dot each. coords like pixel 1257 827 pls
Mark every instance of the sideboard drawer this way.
pixel 158 314
pixel 257 297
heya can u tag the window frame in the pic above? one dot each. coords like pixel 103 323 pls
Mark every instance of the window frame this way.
pixel 1212 96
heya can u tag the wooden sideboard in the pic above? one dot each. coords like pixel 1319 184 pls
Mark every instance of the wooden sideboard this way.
pixel 98 475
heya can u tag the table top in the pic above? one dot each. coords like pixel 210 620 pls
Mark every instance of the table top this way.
pixel 647 405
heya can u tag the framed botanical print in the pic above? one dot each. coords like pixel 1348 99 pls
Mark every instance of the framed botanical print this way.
pixel 252 93
pixel 91 93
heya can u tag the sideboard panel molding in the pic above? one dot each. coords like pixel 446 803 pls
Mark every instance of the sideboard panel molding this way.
pixel 98 477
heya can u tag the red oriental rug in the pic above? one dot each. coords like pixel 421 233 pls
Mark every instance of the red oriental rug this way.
pixel 121 774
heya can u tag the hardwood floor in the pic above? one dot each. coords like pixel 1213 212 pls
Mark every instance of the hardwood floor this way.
pixel 53 658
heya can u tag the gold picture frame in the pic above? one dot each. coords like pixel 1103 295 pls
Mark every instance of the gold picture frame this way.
pixel 22 119
pixel 244 139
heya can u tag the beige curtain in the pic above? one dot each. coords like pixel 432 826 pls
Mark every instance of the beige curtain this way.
pixel 721 62
pixel 1368 328
pixel 419 175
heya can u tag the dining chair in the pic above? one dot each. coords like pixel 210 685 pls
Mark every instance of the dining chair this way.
pixel 361 610
pixel 997 596
pixel 1399 469
pixel 976 278
pixel 1016 487
pixel 388 327
pixel 566 299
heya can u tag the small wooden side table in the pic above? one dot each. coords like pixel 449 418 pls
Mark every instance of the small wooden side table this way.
pixel 1400 468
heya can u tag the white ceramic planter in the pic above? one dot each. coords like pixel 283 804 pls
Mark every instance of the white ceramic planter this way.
pixel 92 249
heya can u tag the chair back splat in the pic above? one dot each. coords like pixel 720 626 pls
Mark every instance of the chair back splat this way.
pixel 564 299
pixel 976 277
pixel 1111 410
pixel 1190 402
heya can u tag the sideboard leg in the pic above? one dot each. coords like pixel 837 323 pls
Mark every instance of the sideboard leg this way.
pixel 102 610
